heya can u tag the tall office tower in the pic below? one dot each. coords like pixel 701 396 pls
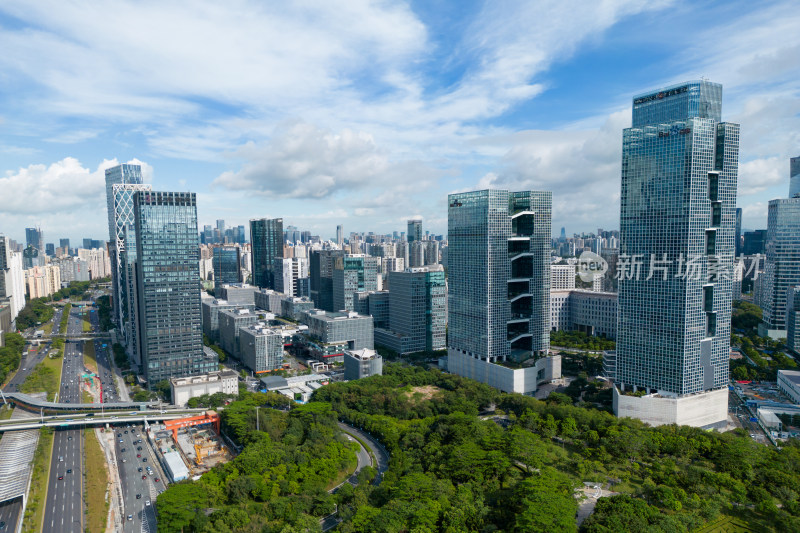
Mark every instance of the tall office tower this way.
pixel 737 243
pixel 782 265
pixel 794 177
pixel 352 274
pixel 266 236
pixel 563 234
pixel 122 275
pixel 225 262
pixel 321 273
pixel 119 175
pixel 678 211
pixel 12 278
pixel 167 285
pixel 50 249
pixel 432 252
pixel 339 235
pixel 221 226
pixel 499 287
pixel 64 243
pixel 34 237
pixel 288 273
pixel 418 307
pixel 414 230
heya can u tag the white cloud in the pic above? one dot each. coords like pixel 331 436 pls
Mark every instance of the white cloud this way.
pixel 759 175
pixel 302 160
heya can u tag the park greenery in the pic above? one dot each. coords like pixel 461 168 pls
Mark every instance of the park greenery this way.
pixel 104 312
pixel 34 313
pixel 745 317
pixel 580 341
pixel 223 355
pixel 465 457
pixel 211 401
pixel 10 354
pixel 766 356
pixel 280 480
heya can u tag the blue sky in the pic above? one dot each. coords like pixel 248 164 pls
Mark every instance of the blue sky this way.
pixel 368 113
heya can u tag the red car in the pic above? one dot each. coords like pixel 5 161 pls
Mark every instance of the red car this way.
pixel 144 477
pixel 138 455
pixel 157 480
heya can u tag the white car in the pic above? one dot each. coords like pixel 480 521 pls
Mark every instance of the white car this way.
pixel 147 503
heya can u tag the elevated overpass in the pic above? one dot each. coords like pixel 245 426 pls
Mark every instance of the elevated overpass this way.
pixel 82 419
pixel 23 401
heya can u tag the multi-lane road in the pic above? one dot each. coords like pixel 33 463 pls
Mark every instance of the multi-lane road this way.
pixel 64 509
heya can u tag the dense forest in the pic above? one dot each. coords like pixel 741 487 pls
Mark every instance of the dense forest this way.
pixel 465 457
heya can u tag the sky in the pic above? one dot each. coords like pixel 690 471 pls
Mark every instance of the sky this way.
pixel 365 113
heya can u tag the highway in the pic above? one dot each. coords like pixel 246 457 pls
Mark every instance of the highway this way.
pixel 64 506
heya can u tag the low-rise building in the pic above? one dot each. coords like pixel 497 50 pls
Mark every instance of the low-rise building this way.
pixel 298 388
pixel 789 384
pixel 237 293
pixel 592 312
pixel 362 364
pixel 185 388
pixel 269 300
pixel 175 467
pixel 230 322
pixel 294 307
pixel 330 334
pixel 211 308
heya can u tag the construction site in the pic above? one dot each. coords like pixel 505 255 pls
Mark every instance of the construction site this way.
pixel 189 447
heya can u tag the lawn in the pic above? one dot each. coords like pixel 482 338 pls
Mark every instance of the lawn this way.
pixel 86 325
pixel 46 377
pixel 34 513
pixel 5 412
pixel 89 357
pixel 96 483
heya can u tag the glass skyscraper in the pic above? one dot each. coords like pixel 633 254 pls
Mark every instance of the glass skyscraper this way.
pixel 352 274
pixel 677 232
pixel 414 230
pixel 168 285
pixel 794 177
pixel 782 264
pixel 266 236
pixel 226 262
pixel 499 274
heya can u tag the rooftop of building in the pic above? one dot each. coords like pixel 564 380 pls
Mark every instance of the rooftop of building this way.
pixel 364 354
pixel 218 375
pixel 329 316
pixel 791 375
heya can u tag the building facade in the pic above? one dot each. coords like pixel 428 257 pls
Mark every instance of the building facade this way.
pixel 170 337
pixel 261 347
pixel 231 322
pixel 226 264
pixel 330 334
pixel 12 278
pixel 362 364
pixel 591 312
pixel 782 264
pixel 793 320
pixel 678 210
pixel 266 238
pixel 352 274
pixel 185 388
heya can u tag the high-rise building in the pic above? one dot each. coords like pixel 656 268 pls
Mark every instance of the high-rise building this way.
pixel 34 237
pixel 678 211
pixel 414 230
pixel 12 278
pixel 321 277
pixel 754 242
pixel 499 287
pixel 164 236
pixel 226 265
pixel 64 243
pixel 127 178
pixel 288 275
pixel 339 235
pixel 352 274
pixel 794 177
pixel 782 265
pixel 417 311
pixel 50 249
pixel 562 277
pixel 266 236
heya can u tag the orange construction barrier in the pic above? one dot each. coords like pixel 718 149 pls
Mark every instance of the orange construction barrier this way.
pixel 210 417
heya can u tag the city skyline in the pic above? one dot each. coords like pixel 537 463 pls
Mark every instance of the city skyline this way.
pixel 446 101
